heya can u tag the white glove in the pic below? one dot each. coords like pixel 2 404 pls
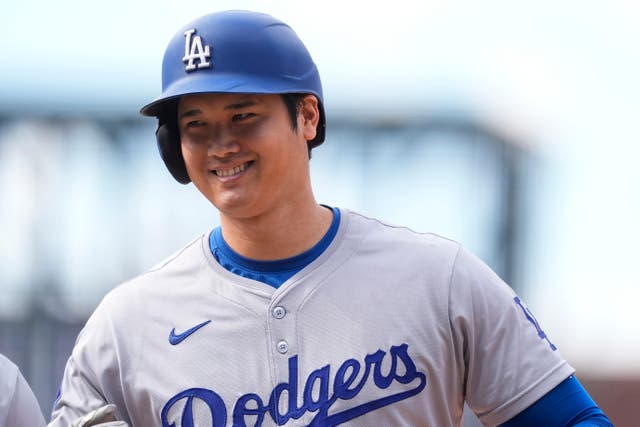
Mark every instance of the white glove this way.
pixel 101 417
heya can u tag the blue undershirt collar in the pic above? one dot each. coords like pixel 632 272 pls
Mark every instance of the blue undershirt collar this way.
pixel 273 273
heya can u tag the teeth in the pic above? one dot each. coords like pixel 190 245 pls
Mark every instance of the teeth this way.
pixel 232 171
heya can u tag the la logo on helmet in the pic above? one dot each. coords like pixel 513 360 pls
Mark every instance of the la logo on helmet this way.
pixel 193 50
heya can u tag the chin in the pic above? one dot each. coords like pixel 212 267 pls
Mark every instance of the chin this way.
pixel 234 207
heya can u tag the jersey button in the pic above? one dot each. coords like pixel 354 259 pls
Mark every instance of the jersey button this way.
pixel 282 346
pixel 279 312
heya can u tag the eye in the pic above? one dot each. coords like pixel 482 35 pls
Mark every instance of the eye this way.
pixel 242 116
pixel 194 124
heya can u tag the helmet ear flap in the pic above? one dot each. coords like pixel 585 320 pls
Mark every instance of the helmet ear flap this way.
pixel 168 140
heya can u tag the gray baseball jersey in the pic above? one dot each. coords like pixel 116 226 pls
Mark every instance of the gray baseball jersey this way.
pixel 387 327
pixel 18 405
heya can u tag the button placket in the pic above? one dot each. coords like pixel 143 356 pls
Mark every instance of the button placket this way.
pixel 282 346
pixel 282 329
pixel 279 312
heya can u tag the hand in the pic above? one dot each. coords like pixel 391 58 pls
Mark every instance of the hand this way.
pixel 101 417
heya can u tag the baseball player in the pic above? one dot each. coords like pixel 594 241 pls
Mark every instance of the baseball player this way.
pixel 18 405
pixel 292 312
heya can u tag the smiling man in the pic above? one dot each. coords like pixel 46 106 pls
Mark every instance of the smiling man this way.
pixel 293 312
pixel 250 159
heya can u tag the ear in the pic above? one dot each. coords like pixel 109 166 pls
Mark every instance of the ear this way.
pixel 308 117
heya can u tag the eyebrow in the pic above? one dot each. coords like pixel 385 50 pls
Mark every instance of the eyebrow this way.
pixel 239 105
pixel 228 107
pixel 189 113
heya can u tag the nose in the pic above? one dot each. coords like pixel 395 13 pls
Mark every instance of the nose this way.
pixel 222 143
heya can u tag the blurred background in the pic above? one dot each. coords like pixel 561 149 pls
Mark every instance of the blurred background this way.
pixel 509 126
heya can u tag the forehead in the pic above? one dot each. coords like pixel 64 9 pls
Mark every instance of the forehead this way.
pixel 223 100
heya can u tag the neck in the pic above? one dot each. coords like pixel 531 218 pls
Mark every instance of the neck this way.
pixel 280 234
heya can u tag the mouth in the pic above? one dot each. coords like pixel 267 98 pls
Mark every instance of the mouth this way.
pixel 232 171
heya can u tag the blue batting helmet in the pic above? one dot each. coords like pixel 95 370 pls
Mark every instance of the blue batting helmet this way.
pixel 230 52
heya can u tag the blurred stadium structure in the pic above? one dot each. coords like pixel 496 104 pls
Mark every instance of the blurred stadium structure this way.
pixel 507 128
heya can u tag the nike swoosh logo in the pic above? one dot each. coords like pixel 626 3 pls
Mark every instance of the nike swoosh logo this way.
pixel 175 339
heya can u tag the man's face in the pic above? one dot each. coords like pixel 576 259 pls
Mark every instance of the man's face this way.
pixel 241 152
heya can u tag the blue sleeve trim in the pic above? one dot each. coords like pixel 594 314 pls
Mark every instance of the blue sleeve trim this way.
pixel 568 404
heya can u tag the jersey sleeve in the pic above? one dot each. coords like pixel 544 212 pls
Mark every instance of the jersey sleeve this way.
pixel 568 404
pixel 509 360
pixel 25 409
pixel 18 404
pixel 91 377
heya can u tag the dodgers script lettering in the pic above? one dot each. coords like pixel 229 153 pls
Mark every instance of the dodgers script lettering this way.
pixel 348 381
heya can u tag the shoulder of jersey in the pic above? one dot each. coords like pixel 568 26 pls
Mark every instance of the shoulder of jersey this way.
pixel 183 263
pixel 8 374
pixel 186 257
pixel 402 232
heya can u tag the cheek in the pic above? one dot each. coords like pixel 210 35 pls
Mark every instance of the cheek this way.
pixel 190 153
pixel 186 155
pixel 290 167
pixel 192 162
